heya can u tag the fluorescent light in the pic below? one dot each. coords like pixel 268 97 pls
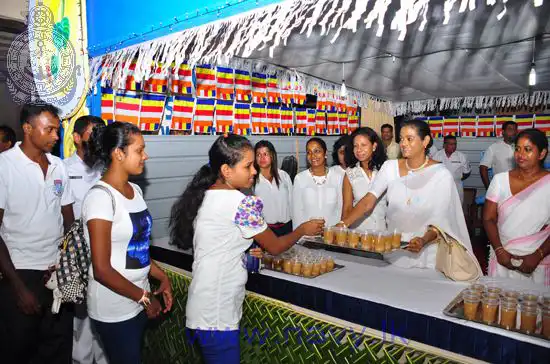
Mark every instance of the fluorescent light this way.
pixel 343 89
pixel 532 76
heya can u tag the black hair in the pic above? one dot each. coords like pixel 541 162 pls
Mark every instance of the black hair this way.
pixel 422 129
pixel 225 150
pixel 384 126
pixel 343 141
pixel 31 110
pixel 290 166
pixel 83 122
pixel 379 155
pixel 9 135
pixel 508 123
pixel 536 137
pixel 448 137
pixel 105 139
pixel 319 141
pixel 274 164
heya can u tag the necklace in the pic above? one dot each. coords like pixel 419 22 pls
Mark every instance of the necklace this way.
pixel 419 168
pixel 319 180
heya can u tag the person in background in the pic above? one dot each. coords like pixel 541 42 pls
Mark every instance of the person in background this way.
pixel 86 347
pixel 339 155
pixel 7 138
pixel 456 162
pixel 392 148
pixel 219 222
pixel 365 160
pixel 499 156
pixel 516 214
pixel 317 190
pixel 274 187
pixel 35 211
pixel 290 166
pixel 117 227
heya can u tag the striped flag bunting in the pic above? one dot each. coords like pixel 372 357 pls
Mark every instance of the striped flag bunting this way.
pixel 320 122
pixel 127 105
pixel 311 122
pixel 224 116
pixel 274 119
pixel 332 123
pixel 259 119
pixel 486 126
pixel 152 107
pixel 451 126
pixel 182 114
pixel 300 117
pixel 287 120
pixel 343 122
pixel 468 126
pixel 273 93
pixel 107 105
pixel 225 83
pixel 157 82
pixel 499 121
pixel 182 80
pixel 243 86
pixel 130 84
pixel 542 122
pixel 353 117
pixel 259 88
pixel 203 118
pixel 241 124
pixel 436 126
pixel 206 81
pixel 524 121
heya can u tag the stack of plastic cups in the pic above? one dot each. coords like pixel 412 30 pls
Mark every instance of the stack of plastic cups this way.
pixel 489 304
pixel 508 309
pixel 529 312
pixel 471 298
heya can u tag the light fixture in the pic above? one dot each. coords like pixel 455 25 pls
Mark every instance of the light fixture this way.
pixel 532 75
pixel 343 89
pixel 537 3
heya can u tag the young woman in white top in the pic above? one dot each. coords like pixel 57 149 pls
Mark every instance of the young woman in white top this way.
pixel 317 190
pixel 117 226
pixel 220 223
pixel 339 151
pixel 274 187
pixel 365 160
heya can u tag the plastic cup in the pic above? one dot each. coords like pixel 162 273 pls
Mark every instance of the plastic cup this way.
pixel 493 288
pixel 307 268
pixel 278 263
pixel 379 245
pixel 545 322
pixel 287 266
pixel 341 236
pixel 354 237
pixel 530 296
pixel 489 309
pixel 316 269
pixel 268 261
pixel 296 266
pixel 396 240
pixel 328 235
pixel 529 313
pixel 388 238
pixel 471 305
pixel 510 294
pixel 479 287
pixel 330 264
pixel 323 265
pixel 508 314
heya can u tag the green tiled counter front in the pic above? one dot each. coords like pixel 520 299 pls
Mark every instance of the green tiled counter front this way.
pixel 275 332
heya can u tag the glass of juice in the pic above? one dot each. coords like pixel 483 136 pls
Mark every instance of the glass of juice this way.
pixel 341 234
pixel 396 240
pixel 508 313
pixel 328 235
pixel 489 310
pixel 471 305
pixel 354 237
pixel 529 313
pixel 379 244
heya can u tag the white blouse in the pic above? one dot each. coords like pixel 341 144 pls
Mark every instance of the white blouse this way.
pixel 361 185
pixel 276 199
pixel 313 198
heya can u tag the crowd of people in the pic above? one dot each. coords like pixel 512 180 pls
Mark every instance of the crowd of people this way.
pixel 373 183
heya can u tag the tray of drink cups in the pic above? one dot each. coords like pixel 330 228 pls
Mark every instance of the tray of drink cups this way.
pixel 371 243
pixel 301 262
pixel 490 304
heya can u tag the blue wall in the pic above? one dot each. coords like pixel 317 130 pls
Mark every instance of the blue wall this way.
pixel 115 24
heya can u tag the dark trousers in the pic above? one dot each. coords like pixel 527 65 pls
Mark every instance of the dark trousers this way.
pixel 217 347
pixel 122 341
pixel 281 229
pixel 43 338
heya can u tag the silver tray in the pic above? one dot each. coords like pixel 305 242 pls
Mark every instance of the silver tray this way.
pixel 336 267
pixel 317 242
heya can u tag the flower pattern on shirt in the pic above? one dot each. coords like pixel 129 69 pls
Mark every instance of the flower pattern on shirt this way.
pixel 249 212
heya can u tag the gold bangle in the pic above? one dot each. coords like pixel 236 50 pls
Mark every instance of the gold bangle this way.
pixel 498 248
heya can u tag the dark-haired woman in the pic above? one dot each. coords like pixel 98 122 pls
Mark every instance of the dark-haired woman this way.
pixel 516 214
pixel 117 227
pixel 274 187
pixel 365 160
pixel 220 223
pixel 339 152
pixel 317 190
pixel 421 193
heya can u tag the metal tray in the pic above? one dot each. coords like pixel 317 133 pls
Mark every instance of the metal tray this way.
pixel 336 267
pixel 317 242
pixel 456 309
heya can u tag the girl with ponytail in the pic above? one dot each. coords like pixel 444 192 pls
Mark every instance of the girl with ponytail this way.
pixel 117 227
pixel 220 223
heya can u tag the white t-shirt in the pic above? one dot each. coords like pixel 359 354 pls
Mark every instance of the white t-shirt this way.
pixel 224 227
pixel 458 165
pixel 499 188
pixel 500 157
pixel 130 235
pixel 82 179
pixel 277 199
pixel 33 223
pixel 317 199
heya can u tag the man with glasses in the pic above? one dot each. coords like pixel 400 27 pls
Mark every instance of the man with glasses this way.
pixel 456 162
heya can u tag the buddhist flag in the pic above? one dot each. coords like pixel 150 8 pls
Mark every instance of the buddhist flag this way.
pixel 499 121
pixel 332 123
pixel 152 107
pixel 206 81
pixel 300 117
pixel 204 116
pixel 287 120
pixel 225 83
pixel 243 86
pixel 130 83
pixel 524 121
pixel 127 107
pixel 451 126
pixel 468 126
pixel 330 101
pixel 241 124
pixel 320 122
pixel 182 114
pixel 486 126
pixel 353 118
pixel 274 119
pixel 224 116
pixel 343 122
pixel 299 93
pixel 322 103
pixel 259 119
pixel 311 122
pixel 273 93
pixel 107 105
pixel 182 79
pixel 436 126
pixel 259 88
pixel 542 122
pixel 157 83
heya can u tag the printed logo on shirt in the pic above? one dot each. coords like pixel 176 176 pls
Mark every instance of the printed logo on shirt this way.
pixel 137 254
pixel 58 187
pixel 75 177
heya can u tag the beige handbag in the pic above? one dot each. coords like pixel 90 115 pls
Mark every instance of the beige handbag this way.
pixel 453 260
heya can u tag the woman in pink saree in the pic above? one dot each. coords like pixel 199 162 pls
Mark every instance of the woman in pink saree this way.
pixel 516 214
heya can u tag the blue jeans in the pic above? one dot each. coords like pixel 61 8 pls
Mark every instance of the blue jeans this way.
pixel 217 347
pixel 122 341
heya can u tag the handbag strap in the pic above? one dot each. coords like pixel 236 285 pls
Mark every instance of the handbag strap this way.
pixel 444 237
pixel 113 201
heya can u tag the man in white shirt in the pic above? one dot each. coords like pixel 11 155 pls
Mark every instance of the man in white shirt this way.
pixel 455 162
pixel 35 210
pixel 86 346
pixel 393 151
pixel 499 156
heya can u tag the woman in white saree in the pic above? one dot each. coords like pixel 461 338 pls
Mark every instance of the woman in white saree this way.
pixel 516 214
pixel 421 193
